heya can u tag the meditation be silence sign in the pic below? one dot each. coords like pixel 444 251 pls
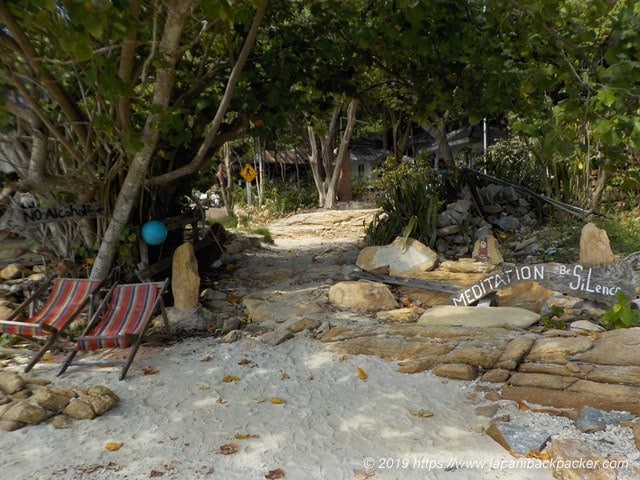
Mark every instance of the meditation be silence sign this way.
pixel 594 282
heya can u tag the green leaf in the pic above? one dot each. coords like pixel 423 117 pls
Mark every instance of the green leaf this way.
pixel 607 96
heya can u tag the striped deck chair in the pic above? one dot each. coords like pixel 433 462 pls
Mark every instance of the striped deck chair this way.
pixel 121 319
pixel 68 298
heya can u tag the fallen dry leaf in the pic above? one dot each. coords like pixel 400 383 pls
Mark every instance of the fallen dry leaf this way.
pixel 277 400
pixel 232 298
pixel 228 448
pixel 47 357
pixel 343 358
pixel 244 436
pixel 273 474
pixel 244 361
pixel 363 474
pixel 230 378
pixel 82 469
pixel 538 454
pixel 361 373
pixel 422 413
pixel 150 371
pixel 523 406
pixel 285 376
pixel 113 446
pixel 155 473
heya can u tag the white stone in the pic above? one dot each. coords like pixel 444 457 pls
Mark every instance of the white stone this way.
pixel 479 317
pixel 401 259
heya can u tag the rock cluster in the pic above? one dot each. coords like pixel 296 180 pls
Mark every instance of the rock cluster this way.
pixel 502 207
pixel 30 401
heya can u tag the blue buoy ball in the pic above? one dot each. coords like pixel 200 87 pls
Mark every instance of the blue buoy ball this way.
pixel 154 232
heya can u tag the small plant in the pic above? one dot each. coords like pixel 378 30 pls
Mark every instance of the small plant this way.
pixel 264 231
pixel 228 221
pixel 553 321
pixel 621 315
pixel 410 205
pixel 7 340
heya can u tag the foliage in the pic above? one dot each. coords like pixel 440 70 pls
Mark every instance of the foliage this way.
pixel 264 231
pixel 410 202
pixel 553 321
pixel 282 197
pixel 79 84
pixel 621 315
pixel 228 221
pixel 623 233
pixel 7 340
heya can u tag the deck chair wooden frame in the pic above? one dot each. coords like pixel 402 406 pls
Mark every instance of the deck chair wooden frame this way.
pixel 121 320
pixel 67 299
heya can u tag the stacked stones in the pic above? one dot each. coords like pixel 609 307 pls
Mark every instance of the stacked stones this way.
pixel 17 280
pixel 502 208
pixel 30 401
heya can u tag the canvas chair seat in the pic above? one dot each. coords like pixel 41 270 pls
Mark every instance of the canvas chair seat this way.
pixel 121 320
pixel 68 298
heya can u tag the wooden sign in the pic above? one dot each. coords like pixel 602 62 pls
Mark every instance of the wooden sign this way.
pixel 594 282
pixel 16 218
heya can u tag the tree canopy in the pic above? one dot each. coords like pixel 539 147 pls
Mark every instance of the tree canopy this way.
pixel 125 103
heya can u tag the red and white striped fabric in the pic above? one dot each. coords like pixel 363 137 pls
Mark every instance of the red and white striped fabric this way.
pixel 127 315
pixel 60 307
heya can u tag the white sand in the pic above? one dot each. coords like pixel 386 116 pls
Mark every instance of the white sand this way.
pixel 332 424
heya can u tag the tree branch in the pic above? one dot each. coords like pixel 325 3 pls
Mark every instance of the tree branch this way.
pixel 197 161
pixel 68 107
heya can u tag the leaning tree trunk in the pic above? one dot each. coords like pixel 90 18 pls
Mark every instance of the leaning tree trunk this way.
pixel 342 157
pixel 316 166
pixel 225 180
pixel 438 131
pixel 169 50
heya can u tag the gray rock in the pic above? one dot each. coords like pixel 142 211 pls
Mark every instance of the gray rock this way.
pixel 585 326
pixel 277 337
pixel 518 440
pixel 462 205
pixel 508 223
pixel 593 419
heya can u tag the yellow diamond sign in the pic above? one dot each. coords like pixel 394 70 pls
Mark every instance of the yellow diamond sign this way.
pixel 248 173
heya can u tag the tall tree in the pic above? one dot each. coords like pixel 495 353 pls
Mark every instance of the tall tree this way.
pixel 120 95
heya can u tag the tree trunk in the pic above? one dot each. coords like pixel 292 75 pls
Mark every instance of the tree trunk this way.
pixel 439 133
pixel 316 166
pixel 345 181
pixel 343 155
pixel 224 178
pixel 169 51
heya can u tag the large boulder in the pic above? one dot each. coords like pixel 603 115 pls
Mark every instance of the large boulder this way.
pixel 398 258
pixel 362 295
